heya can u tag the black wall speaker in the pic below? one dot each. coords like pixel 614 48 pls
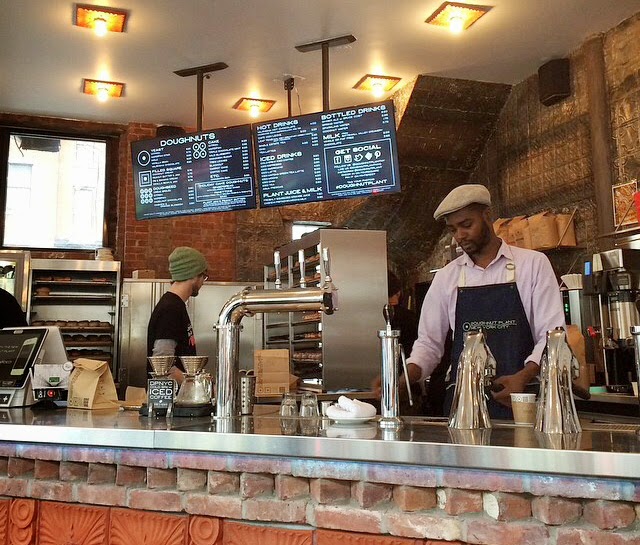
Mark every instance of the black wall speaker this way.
pixel 554 81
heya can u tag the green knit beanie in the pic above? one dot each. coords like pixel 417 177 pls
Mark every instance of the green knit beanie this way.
pixel 186 263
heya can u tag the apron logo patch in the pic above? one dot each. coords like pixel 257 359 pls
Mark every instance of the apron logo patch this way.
pixel 488 325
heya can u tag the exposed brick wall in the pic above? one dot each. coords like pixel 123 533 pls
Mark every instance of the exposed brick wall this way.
pixel 540 157
pixel 373 500
pixel 147 244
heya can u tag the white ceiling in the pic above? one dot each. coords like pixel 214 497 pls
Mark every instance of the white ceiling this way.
pixel 43 57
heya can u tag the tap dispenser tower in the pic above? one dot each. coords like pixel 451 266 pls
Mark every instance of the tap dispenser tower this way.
pixel 391 352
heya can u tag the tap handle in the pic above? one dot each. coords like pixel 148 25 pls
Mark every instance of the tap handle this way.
pixel 387 312
pixel 406 373
pixel 276 263
pixel 326 261
pixel 303 280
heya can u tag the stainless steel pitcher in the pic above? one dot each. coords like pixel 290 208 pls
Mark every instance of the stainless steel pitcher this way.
pixel 558 368
pixel 476 369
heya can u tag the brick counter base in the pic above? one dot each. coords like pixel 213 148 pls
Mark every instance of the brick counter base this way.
pixel 205 499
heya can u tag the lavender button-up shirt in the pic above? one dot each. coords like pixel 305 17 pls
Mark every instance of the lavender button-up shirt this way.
pixel 538 290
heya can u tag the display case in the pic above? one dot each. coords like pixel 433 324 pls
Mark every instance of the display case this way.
pixel 342 350
pixel 81 297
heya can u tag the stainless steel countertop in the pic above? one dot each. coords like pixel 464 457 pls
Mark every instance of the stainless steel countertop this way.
pixel 601 450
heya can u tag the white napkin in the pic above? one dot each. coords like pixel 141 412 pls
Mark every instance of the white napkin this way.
pixel 350 408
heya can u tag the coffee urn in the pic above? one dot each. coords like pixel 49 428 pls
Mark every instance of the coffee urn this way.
pixel 615 281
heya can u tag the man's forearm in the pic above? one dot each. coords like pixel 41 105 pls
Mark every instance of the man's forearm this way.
pixel 530 371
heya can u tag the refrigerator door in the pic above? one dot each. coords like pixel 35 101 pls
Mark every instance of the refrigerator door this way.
pixel 14 274
pixel 139 298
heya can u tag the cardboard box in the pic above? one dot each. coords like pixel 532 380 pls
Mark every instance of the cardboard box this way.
pixel 520 232
pixel 544 230
pixel 566 230
pixel 143 273
pixel 272 371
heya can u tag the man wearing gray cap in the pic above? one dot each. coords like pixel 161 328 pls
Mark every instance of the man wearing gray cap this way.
pixel 170 332
pixel 510 292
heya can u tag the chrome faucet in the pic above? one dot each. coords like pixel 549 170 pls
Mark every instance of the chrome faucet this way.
pixel 252 300
pixel 476 369
pixel 558 368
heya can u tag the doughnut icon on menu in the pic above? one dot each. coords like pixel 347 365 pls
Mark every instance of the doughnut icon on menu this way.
pixel 199 150
pixel 144 158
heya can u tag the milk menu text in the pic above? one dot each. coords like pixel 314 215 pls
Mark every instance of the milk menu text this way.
pixel 327 155
pixel 208 171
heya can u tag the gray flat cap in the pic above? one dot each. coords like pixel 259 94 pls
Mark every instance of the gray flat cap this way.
pixel 462 196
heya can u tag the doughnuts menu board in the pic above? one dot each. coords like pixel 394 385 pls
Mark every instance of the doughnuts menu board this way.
pixel 207 171
pixel 327 155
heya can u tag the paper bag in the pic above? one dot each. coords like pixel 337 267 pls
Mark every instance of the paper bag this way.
pixel 501 228
pixel 91 385
pixel 519 232
pixel 544 231
pixel 566 230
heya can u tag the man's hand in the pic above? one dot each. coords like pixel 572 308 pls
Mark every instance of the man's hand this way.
pixel 414 376
pixel 176 374
pixel 516 383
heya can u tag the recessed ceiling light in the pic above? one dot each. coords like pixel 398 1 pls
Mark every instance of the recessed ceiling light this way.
pixel 255 106
pixel 102 90
pixel 457 16
pixel 376 84
pixel 100 19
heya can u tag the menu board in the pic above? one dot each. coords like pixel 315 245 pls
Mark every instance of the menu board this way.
pixel 327 155
pixel 18 351
pixel 207 171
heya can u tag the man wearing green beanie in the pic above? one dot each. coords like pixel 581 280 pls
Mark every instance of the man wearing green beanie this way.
pixel 170 332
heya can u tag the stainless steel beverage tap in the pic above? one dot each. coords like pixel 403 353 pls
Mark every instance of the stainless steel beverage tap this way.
pixel 301 264
pixel 247 302
pixel 476 369
pixel 278 269
pixel 558 368
pixel 635 332
pixel 391 353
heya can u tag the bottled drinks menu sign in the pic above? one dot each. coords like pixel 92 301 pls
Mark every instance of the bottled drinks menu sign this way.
pixel 327 155
pixel 208 171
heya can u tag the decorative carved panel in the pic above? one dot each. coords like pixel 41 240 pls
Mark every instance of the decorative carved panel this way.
pixel 142 527
pixel 205 531
pixel 21 521
pixel 4 520
pixel 244 534
pixel 66 524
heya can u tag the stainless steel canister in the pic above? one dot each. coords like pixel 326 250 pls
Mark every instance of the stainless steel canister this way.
pixel 247 392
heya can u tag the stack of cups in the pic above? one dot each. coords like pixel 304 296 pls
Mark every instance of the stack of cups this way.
pixel 524 408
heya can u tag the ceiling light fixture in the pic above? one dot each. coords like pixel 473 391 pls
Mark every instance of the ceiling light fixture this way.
pixel 457 16
pixel 100 19
pixel 102 90
pixel 376 84
pixel 255 106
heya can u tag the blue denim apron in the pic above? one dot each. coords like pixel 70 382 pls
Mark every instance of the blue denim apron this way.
pixel 498 310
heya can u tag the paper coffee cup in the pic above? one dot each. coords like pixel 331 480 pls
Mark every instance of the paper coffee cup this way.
pixel 524 408
pixel 523 398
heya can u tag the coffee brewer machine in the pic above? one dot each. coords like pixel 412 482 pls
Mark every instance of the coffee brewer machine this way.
pixel 612 281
